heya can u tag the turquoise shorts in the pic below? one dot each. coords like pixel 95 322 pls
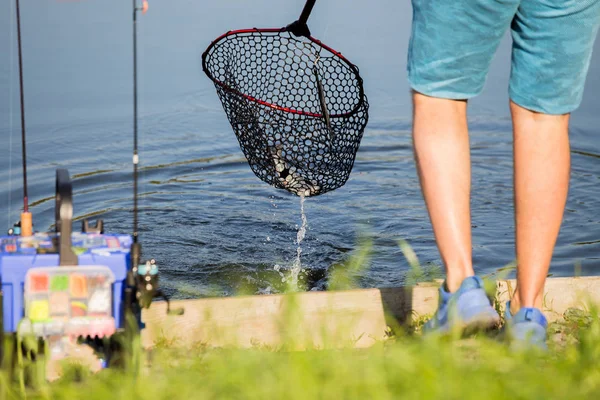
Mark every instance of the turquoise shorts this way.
pixel 453 42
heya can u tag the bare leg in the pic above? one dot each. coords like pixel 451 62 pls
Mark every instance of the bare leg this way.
pixel 441 147
pixel 541 179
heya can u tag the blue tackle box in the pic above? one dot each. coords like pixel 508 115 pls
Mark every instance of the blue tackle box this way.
pixel 64 283
pixel 66 292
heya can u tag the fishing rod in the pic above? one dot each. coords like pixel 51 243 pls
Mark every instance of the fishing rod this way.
pixel 142 279
pixel 26 224
pixel 136 248
pixel 143 9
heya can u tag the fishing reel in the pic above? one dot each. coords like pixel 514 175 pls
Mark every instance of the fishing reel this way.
pixel 147 287
pixel 15 230
pixel 144 279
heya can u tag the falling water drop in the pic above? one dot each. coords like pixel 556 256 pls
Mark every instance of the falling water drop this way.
pixel 297 266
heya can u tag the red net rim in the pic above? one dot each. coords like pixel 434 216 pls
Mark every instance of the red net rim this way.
pixel 275 106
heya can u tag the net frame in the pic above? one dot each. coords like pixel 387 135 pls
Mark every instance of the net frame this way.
pixel 320 177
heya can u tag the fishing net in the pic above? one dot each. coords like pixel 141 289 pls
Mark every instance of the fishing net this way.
pixel 297 107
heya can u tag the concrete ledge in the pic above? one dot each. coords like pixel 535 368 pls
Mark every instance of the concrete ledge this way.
pixel 560 294
pixel 355 317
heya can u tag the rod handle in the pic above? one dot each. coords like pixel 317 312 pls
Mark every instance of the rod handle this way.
pixel 64 217
pixel 26 224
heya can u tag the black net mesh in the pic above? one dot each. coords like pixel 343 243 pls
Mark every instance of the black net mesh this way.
pixel 297 109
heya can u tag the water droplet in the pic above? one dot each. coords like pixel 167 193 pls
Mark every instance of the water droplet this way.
pixel 297 266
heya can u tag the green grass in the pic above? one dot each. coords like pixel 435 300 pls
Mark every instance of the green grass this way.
pixel 404 366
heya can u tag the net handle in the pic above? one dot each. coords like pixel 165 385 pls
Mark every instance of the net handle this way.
pixel 306 11
pixel 299 27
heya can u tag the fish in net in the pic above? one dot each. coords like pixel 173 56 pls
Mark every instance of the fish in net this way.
pixel 296 106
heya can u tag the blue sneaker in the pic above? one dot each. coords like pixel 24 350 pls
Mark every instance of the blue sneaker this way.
pixel 467 308
pixel 526 329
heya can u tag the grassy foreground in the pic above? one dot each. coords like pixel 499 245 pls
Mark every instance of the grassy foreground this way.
pixel 406 366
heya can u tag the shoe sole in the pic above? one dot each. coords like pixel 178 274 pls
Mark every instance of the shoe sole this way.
pixel 484 321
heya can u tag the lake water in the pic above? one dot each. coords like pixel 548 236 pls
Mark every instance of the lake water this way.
pixel 210 223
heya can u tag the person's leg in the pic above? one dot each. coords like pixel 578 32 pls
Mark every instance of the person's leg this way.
pixel 451 47
pixel 442 154
pixel 552 47
pixel 541 180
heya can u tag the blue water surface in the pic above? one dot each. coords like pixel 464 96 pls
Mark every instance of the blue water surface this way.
pixel 211 224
